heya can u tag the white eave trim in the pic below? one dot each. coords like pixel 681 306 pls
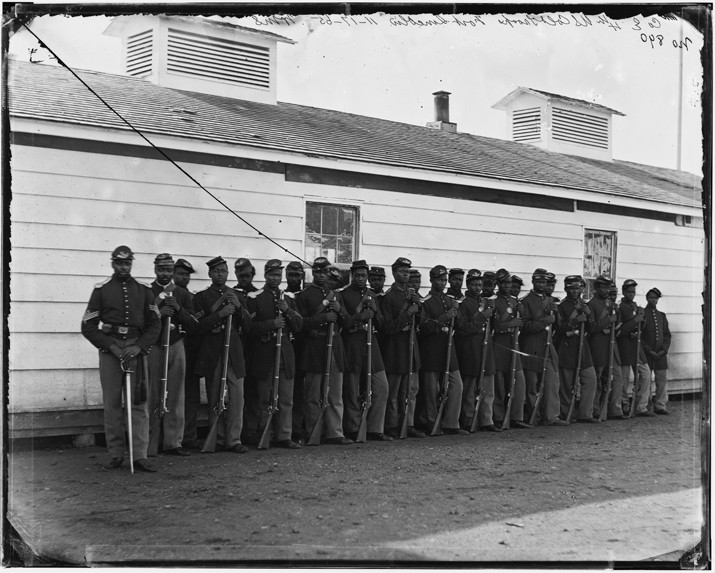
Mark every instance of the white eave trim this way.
pixel 125 136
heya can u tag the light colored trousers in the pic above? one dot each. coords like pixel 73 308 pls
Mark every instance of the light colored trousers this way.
pixel 587 383
pixel 501 393
pixel 173 420
pixel 550 403
pixel 486 404
pixel 431 386
pixel 353 404
pixel 643 393
pixel 282 419
pixel 614 400
pixel 397 394
pixel 312 394
pixel 229 430
pixel 112 380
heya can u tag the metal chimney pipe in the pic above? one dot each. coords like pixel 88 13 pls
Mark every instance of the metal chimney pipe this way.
pixel 441 106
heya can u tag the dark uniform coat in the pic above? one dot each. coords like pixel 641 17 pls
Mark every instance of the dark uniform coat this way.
pixel 355 333
pixel 262 308
pixel 656 337
pixel 533 336
pixel 125 305
pixel 470 330
pixel 191 340
pixel 628 338
pixel 568 337
pixel 434 333
pixel 183 321
pixel 599 333
pixel 310 304
pixel 211 332
pixel 505 310
pixel 394 335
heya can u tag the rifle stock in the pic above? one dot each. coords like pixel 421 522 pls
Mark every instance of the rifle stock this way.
pixel 540 392
pixel 512 379
pixel 445 385
pixel 362 429
pixel 480 381
pixel 161 409
pixel 210 442
pixel 317 431
pixel 572 403
pixel 408 393
pixel 603 412
pixel 265 441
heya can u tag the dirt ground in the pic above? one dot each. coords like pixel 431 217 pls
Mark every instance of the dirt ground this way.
pixel 375 503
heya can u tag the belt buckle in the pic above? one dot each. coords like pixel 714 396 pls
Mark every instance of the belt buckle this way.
pixel 123 330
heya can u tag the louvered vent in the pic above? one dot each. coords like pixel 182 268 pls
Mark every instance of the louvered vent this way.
pixel 580 128
pixel 139 51
pixel 218 59
pixel 526 124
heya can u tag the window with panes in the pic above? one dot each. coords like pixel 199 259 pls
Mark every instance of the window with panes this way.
pixel 331 231
pixel 599 257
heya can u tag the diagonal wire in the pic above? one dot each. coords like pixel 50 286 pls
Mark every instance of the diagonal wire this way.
pixel 140 134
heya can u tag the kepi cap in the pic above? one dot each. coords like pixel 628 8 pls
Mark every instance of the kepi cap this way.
pixel 164 259
pixel 335 272
pixel 629 283
pixel 379 271
pixel 539 274
pixel 602 280
pixel 516 279
pixel 273 265
pixel 502 275
pixel 401 262
pixel 243 263
pixel 473 274
pixel 361 264
pixel 573 280
pixel 655 291
pixel 321 264
pixel 294 266
pixel 122 253
pixel 455 271
pixel 415 273
pixel 437 272
pixel 184 264
pixel 216 261
pixel 550 278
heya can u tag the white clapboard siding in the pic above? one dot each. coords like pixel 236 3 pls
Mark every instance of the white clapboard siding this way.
pixel 50 317
pixel 38 351
pixel 685 365
pixel 687 240
pixel 37 390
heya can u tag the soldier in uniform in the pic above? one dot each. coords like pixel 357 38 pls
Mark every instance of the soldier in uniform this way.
pixel 376 278
pixel 415 281
pixel 517 283
pixel 319 307
pixel 213 306
pixel 539 315
pixel 551 286
pixel 399 306
pixel 630 315
pixel 599 343
pixel 573 312
pixel 469 336
pixel 489 284
pixel 175 303
pixel 183 270
pixel 295 275
pixel 656 343
pixel 360 304
pixel 456 280
pixel 130 325
pixel 270 309
pixel 245 273
pixel 438 310
pixel 617 373
pixel 506 319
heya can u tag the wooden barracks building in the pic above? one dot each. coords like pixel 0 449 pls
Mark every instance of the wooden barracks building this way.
pixel 319 182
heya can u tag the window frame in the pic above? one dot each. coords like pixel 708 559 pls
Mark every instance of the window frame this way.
pixel 589 290
pixel 338 204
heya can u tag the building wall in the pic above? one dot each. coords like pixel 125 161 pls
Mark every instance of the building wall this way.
pixel 70 209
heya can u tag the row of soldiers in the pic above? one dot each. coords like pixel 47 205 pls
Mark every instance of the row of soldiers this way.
pixel 316 362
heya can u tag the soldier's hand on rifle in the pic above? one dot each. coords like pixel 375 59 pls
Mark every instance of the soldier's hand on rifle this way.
pixel 581 317
pixel 279 322
pixel 166 310
pixel 131 351
pixel 331 317
pixel 550 319
pixel 414 297
pixel 513 323
pixel 334 305
pixel 224 311
pixel 366 314
pixel 487 312
pixel 613 318
pixel 451 313
pixel 639 318
pixel 281 305
pixel 412 309
pixel 171 301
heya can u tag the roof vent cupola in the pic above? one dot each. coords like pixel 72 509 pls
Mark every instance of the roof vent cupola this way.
pixel 559 123
pixel 199 55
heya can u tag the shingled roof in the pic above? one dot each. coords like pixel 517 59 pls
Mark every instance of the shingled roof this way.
pixel 52 93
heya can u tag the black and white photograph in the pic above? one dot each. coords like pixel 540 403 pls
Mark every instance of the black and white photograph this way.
pixel 357 285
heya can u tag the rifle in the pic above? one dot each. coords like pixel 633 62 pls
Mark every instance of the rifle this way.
pixel 314 439
pixel 128 399
pixel 512 381
pixel 603 413
pixel 540 392
pixel 161 408
pixel 576 374
pixel 265 441
pixel 408 394
pixel 220 407
pixel 362 430
pixel 480 381
pixel 445 385
pixel 636 377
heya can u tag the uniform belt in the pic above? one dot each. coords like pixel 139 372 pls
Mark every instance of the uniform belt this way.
pixel 121 330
